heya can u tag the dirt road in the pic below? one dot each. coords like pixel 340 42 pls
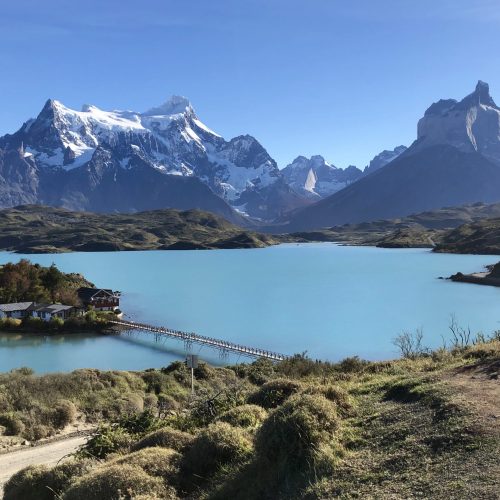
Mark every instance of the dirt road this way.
pixel 47 454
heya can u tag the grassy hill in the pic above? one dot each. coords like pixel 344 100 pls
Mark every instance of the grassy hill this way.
pixel 482 237
pixel 425 229
pixel 425 426
pixel 41 229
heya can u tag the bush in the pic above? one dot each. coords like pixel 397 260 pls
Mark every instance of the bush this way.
pixel 297 435
pixel 111 482
pixel 12 423
pixel 166 438
pixel 220 444
pixel 106 440
pixel 333 393
pixel 37 432
pixel 40 483
pixel 10 324
pixel 64 414
pixel 204 372
pixel 28 484
pixel 244 416
pixel 158 462
pixel 353 365
pixel 56 323
pixel 274 393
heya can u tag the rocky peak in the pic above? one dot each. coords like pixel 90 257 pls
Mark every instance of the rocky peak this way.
pixel 480 96
pixel 473 124
pixel 174 106
pixel 383 158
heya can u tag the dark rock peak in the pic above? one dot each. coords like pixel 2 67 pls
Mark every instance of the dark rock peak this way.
pixel 481 95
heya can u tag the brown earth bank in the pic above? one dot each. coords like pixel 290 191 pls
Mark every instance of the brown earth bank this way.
pixel 424 426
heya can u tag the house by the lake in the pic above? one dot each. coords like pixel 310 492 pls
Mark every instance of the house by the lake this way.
pixel 15 310
pixel 100 299
pixel 50 311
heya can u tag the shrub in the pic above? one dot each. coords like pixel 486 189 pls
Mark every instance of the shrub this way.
pixel 220 444
pixel 12 423
pixel 10 323
pixel 333 393
pixel 166 438
pixel 106 440
pixel 274 393
pixel 158 462
pixel 297 435
pixel 28 484
pixel 64 414
pixel 114 482
pixel 40 483
pixel 37 432
pixel 204 372
pixel 150 402
pixel 353 364
pixel 244 416
pixel 56 323
pixel 299 366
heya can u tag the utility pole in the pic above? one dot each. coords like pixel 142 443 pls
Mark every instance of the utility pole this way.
pixel 192 362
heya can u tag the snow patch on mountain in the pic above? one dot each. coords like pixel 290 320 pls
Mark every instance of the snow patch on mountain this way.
pixel 316 178
pixel 169 138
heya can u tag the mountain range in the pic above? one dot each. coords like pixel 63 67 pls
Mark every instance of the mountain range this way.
pixel 166 157
pixel 127 161
pixel 454 161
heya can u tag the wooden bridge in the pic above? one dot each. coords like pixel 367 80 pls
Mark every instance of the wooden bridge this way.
pixel 189 338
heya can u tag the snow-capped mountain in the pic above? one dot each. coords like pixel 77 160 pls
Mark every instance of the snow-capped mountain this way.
pixel 315 178
pixel 383 158
pixel 470 125
pixel 169 140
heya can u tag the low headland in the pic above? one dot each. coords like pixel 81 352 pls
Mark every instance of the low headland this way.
pixel 426 425
pixel 491 277
pixel 36 299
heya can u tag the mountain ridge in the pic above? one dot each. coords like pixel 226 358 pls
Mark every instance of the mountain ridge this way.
pixel 441 168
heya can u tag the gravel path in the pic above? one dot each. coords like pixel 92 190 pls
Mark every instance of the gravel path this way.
pixel 47 454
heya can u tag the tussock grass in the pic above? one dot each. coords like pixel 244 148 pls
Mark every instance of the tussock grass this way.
pixel 247 416
pixel 411 428
pixel 166 438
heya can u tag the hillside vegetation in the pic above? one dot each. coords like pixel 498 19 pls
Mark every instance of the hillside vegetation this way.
pixel 482 237
pixel 423 426
pixel 27 282
pixel 425 229
pixel 40 229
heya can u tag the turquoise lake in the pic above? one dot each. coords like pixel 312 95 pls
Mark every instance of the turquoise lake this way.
pixel 331 301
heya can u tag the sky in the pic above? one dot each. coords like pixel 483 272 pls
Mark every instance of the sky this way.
pixel 344 79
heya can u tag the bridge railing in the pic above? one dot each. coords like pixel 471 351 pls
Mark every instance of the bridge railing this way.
pixel 200 339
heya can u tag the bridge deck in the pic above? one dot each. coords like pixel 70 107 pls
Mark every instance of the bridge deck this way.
pixel 200 339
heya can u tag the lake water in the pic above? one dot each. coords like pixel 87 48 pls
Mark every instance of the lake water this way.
pixel 331 301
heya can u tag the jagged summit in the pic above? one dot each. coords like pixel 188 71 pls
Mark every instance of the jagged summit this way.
pixel 96 148
pixel 175 105
pixel 472 124
pixel 315 178
pixel 480 96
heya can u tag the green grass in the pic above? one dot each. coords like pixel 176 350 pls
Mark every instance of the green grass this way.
pixel 409 428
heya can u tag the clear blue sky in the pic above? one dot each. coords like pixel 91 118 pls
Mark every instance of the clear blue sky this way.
pixel 344 79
